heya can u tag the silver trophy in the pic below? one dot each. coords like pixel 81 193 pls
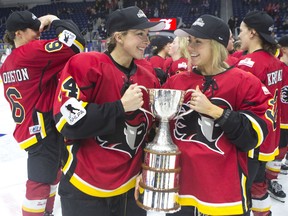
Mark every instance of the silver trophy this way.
pixel 159 186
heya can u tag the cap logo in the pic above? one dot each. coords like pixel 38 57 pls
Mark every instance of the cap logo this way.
pixel 199 22
pixel 141 14
pixel 220 38
pixel 34 17
pixel 270 29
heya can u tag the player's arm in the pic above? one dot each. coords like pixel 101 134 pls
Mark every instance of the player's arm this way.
pixel 68 25
pixel 78 119
pixel 66 30
pixel 248 127
pixel 88 119
pixel 76 113
pixel 243 128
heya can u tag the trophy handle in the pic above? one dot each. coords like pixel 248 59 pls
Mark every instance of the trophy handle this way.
pixel 190 110
pixel 142 109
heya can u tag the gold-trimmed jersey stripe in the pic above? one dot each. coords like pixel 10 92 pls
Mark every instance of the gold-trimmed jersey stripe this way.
pixel 67 165
pixel 42 125
pixel 256 128
pixel 284 126
pixel 28 142
pixel 98 192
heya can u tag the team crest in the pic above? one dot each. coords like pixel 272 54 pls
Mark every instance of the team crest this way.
pixel 284 94
pixel 129 135
pixel 199 128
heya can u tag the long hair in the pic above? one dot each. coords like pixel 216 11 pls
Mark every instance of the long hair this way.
pixel 183 44
pixel 111 41
pixel 268 47
pixel 9 38
pixel 219 55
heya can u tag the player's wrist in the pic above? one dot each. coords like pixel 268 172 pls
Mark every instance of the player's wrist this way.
pixel 215 112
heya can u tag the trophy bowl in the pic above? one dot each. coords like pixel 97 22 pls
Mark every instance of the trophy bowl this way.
pixel 165 103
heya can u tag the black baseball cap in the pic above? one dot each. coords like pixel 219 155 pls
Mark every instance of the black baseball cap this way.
pixel 262 23
pixel 283 41
pixel 20 20
pixel 207 27
pixel 130 18
pixel 160 41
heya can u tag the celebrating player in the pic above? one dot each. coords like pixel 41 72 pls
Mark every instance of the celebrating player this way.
pixel 179 56
pixel 30 76
pixel 160 48
pixel 283 42
pixel 256 38
pixel 97 109
pixel 228 119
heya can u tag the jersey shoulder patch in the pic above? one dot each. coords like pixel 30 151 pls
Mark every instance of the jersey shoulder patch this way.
pixel 72 110
pixel 67 38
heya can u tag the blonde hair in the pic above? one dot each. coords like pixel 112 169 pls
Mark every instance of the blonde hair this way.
pixel 219 55
pixel 183 44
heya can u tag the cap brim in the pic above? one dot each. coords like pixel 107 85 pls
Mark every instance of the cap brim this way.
pixel 152 26
pixel 268 38
pixel 191 31
pixel 36 26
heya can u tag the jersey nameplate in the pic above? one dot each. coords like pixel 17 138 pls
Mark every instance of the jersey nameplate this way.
pixel 67 38
pixel 72 111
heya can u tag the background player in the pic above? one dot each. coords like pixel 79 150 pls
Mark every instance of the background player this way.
pixel 30 76
pixel 256 38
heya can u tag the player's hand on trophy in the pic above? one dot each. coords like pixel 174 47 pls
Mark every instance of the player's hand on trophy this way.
pixel 132 98
pixel 136 192
pixel 200 103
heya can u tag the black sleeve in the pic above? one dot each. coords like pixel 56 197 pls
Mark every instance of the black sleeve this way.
pixel 238 129
pixel 61 25
pixel 99 120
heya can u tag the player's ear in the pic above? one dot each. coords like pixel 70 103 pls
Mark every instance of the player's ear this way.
pixel 253 32
pixel 18 33
pixel 118 37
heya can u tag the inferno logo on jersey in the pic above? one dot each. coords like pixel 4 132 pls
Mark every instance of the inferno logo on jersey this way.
pixel 199 128
pixel 284 94
pixel 129 135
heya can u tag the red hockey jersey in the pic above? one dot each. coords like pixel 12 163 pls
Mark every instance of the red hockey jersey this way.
pixel 269 70
pixel 284 99
pixel 173 67
pixel 157 61
pixel 106 152
pixel 29 75
pixel 213 167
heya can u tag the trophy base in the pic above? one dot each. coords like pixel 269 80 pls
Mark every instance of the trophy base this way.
pixel 158 200
pixel 172 210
